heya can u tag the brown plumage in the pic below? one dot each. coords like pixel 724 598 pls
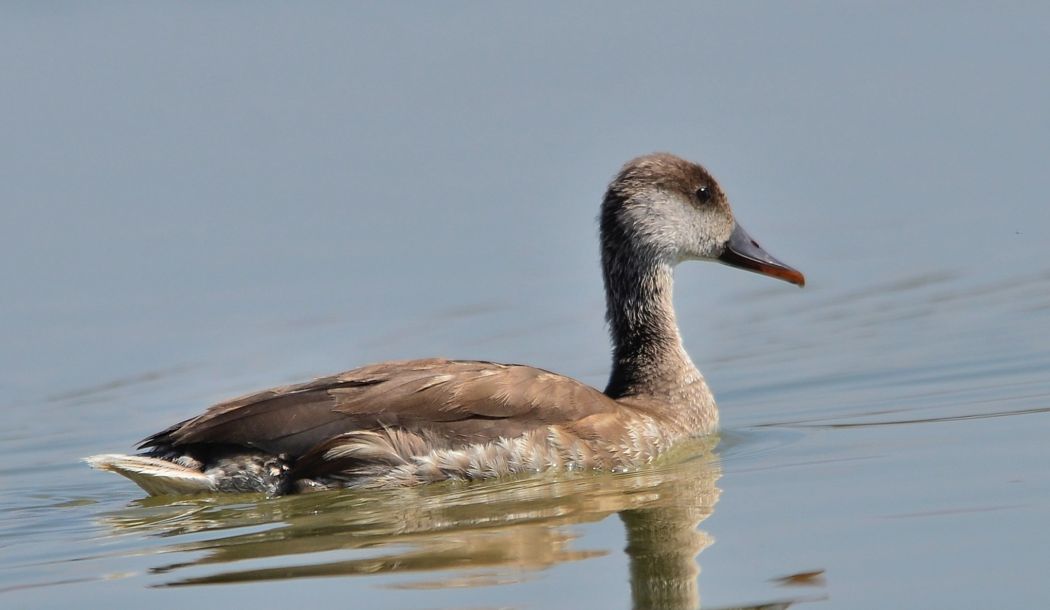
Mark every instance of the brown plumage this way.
pixel 403 423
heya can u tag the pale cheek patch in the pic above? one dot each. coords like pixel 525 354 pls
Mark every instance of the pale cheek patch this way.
pixel 674 231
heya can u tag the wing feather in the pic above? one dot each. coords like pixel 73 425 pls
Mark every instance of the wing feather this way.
pixel 456 401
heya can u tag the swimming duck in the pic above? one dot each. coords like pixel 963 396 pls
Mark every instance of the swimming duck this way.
pixel 416 421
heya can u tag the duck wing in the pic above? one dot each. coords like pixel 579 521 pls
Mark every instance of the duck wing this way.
pixel 455 402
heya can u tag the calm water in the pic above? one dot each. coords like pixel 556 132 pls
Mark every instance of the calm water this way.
pixel 201 201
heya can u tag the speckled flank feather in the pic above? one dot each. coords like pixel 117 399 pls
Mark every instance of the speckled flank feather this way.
pixel 393 457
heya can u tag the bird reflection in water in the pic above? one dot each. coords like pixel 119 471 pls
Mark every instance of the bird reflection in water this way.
pixel 475 534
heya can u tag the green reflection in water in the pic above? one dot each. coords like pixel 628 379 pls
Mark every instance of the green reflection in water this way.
pixel 487 532
pixel 449 534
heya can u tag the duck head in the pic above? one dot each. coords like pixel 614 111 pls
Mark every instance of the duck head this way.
pixel 667 210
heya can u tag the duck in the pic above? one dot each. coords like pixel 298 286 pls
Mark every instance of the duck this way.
pixel 412 422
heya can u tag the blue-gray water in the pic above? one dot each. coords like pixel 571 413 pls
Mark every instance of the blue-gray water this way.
pixel 200 200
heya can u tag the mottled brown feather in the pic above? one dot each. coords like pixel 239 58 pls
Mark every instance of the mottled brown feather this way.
pixel 459 402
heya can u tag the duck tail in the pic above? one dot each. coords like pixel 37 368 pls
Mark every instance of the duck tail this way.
pixel 157 477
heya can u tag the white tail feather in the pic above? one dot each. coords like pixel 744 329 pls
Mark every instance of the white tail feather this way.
pixel 157 477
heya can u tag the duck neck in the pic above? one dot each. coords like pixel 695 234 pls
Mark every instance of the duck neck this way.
pixel 648 356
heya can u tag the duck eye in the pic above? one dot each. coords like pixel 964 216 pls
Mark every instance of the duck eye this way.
pixel 704 194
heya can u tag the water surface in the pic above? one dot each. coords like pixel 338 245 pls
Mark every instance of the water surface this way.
pixel 198 201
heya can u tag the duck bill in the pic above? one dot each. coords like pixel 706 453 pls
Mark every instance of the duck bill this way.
pixel 744 252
